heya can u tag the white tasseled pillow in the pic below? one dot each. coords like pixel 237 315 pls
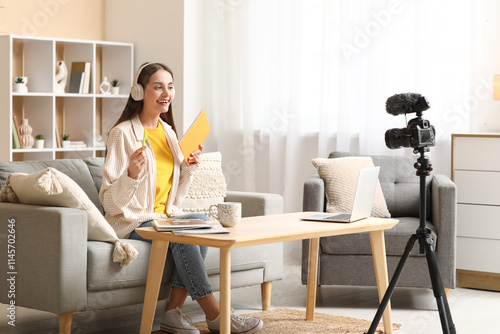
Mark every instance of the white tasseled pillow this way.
pixel 50 187
pixel 208 186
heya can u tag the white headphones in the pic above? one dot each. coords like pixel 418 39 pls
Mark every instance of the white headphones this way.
pixel 137 91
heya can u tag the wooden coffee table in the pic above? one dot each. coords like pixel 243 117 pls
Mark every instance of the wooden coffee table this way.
pixel 263 230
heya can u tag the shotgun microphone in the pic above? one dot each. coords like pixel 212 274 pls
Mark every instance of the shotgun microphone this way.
pixel 406 103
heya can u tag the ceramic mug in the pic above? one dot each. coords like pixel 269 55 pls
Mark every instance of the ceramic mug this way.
pixel 228 213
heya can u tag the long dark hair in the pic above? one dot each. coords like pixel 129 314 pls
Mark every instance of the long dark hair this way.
pixel 133 108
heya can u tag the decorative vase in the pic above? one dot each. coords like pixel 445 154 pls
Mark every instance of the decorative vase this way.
pixel 61 77
pixel 21 87
pixel 25 129
pixel 105 86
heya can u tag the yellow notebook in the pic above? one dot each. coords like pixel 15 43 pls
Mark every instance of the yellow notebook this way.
pixel 195 135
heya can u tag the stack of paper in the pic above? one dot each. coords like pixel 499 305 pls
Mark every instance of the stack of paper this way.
pixel 187 226
pixel 214 228
pixel 171 224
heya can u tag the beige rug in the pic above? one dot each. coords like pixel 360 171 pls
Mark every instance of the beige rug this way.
pixel 285 320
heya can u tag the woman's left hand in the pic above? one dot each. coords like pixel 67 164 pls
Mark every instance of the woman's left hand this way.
pixel 194 158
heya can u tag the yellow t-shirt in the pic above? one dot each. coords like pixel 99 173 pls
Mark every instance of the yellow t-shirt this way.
pixel 164 166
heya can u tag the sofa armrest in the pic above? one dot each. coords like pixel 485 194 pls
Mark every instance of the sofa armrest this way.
pixel 50 259
pixel 314 194
pixel 256 204
pixel 444 217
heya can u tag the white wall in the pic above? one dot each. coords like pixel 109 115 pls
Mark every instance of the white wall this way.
pixel 194 48
pixel 170 32
pixel 156 27
pixel 53 18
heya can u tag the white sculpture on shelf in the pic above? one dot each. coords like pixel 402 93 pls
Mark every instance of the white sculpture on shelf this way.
pixel 61 77
pixel 105 86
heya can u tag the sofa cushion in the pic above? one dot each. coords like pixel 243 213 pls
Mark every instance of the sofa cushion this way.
pixel 95 168
pixel 76 169
pixel 395 240
pixel 51 187
pixel 399 182
pixel 208 186
pixel 341 176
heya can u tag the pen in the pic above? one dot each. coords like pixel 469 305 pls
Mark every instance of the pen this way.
pixel 144 139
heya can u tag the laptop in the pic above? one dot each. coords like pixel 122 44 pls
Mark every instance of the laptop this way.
pixel 363 200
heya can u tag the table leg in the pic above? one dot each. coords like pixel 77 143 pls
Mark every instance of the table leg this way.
pixel 380 262
pixel 312 278
pixel 225 290
pixel 265 292
pixel 157 259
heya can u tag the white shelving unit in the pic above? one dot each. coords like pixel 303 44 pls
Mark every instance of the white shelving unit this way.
pixel 476 172
pixel 83 116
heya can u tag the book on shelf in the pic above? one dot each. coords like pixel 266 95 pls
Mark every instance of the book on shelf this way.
pixel 195 135
pixel 58 138
pixel 15 139
pixel 77 144
pixel 171 224
pixel 82 66
pixel 18 131
pixel 76 82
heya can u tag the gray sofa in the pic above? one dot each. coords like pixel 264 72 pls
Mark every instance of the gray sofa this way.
pixel 347 260
pixel 59 271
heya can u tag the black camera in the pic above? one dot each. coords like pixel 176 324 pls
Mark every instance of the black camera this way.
pixel 419 132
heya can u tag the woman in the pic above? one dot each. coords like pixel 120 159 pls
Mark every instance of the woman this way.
pixel 142 182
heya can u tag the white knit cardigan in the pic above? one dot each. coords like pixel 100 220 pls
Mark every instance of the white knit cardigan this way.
pixel 128 202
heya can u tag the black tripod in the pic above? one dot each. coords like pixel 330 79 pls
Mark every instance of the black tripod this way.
pixel 423 235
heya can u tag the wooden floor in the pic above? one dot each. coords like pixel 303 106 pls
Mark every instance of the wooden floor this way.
pixel 473 311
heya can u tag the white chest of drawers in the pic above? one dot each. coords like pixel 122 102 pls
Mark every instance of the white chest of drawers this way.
pixel 476 172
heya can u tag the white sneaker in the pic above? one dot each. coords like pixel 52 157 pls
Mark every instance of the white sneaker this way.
pixel 177 322
pixel 239 324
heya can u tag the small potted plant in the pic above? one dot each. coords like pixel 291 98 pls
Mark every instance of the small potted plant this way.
pixel 65 142
pixel 39 140
pixel 115 87
pixel 20 85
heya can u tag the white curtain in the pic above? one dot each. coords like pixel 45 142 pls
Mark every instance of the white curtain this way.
pixel 292 80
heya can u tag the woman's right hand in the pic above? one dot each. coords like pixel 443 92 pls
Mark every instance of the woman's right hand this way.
pixel 137 162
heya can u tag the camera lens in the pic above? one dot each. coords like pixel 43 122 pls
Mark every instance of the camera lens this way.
pixel 396 138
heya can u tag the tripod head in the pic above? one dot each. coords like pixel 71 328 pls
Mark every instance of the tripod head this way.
pixel 423 164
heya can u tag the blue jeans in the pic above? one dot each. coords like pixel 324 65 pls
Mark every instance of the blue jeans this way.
pixel 189 267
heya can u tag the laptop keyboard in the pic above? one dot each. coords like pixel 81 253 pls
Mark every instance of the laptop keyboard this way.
pixel 340 216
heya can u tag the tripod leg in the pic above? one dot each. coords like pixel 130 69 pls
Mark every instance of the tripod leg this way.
pixel 392 284
pixel 437 286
